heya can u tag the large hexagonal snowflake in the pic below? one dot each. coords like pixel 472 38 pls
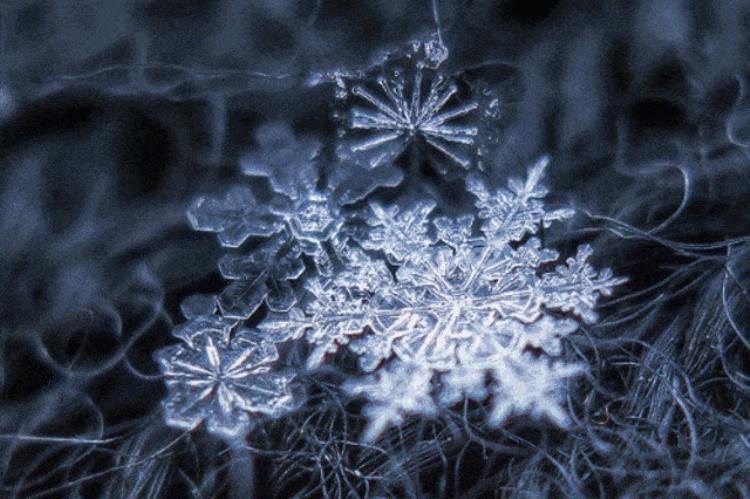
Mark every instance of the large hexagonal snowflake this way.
pixel 462 303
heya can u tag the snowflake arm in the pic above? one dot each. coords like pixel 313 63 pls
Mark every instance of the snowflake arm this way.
pixel 397 232
pixel 260 275
pixel 288 162
pixel 353 184
pixel 198 305
pixel 510 214
pixel 257 276
pixel 284 326
pixel 235 218
pixel 200 312
pixel 338 307
pixel 545 334
pixel 372 349
pixel 327 322
pixel 576 286
pixel 463 382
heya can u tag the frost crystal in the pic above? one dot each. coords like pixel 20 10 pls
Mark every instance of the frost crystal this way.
pixel 339 310
pixel 302 217
pixel 541 393
pixel 393 393
pixel 399 232
pixel 435 51
pixel 395 117
pixel 226 382
pixel 465 306
pixel 410 103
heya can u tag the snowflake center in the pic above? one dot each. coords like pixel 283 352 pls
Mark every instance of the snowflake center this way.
pixel 312 218
pixel 217 376
pixel 462 302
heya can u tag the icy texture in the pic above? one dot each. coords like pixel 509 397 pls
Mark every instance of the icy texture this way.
pixel 225 381
pixel 435 51
pixel 461 305
pixel 410 101
pixel 397 231
pixel 393 393
pixel 302 217
pixel 512 213
pixel 526 384
pixel 340 309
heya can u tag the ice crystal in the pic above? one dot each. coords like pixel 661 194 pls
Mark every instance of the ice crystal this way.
pixel 223 381
pixel 394 392
pixel 532 385
pixel 435 51
pixel 261 275
pixel 509 214
pixel 463 304
pixel 397 231
pixel 302 217
pixel 339 310
pixel 406 105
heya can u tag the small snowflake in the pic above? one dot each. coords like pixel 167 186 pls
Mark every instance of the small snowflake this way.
pixel 394 392
pixel 410 104
pixel 406 100
pixel 226 383
pixel 301 217
pixel 528 385
pixel 406 104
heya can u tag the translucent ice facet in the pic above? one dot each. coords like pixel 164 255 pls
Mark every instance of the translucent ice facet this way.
pixel 224 383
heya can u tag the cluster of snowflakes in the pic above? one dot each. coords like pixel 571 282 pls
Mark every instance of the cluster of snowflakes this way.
pixel 438 310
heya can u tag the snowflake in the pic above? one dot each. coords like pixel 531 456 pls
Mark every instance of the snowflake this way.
pixel 394 392
pixel 525 384
pixel 455 290
pixel 225 382
pixel 459 303
pixel 410 104
pixel 300 218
